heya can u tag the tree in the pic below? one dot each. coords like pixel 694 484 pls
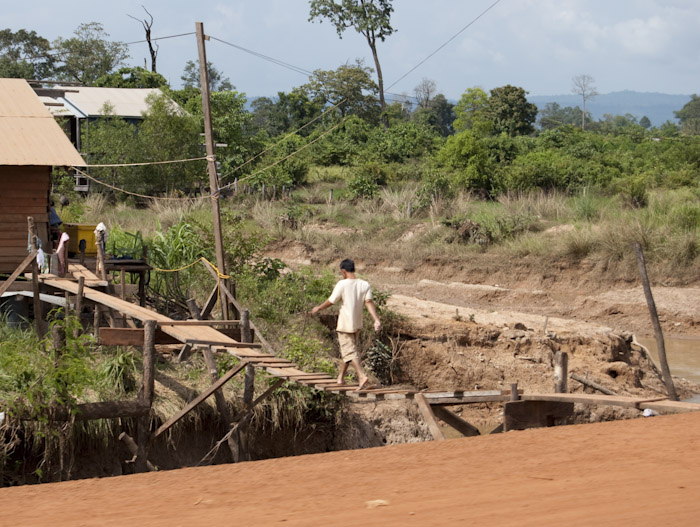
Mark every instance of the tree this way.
pixel 553 116
pixel 289 112
pixel 583 86
pixel 424 92
pixel 88 55
pixel 644 122
pixel 25 54
pixel 132 78
pixel 439 115
pixel 350 87
pixel 689 116
pixel 147 24
pixel 510 112
pixel 471 112
pixel 217 81
pixel 371 18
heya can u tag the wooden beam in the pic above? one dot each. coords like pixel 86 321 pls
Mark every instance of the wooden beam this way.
pixel 199 399
pixel 17 272
pixel 210 303
pixel 219 344
pixel 429 417
pixel 455 421
pixel 200 323
pixel 591 384
pixel 131 337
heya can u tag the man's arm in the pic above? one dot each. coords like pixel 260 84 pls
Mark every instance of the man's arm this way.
pixel 373 311
pixel 320 307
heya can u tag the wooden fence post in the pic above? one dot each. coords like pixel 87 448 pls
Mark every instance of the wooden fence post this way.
pixel 658 334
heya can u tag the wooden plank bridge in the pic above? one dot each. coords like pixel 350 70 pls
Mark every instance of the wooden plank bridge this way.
pixel 208 336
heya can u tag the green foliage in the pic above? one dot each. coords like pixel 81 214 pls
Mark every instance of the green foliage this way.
pixel 689 116
pixel 24 54
pixel 510 112
pixel 367 181
pixel 435 185
pixel 472 113
pixel 217 81
pixel 33 377
pixel 309 353
pixel 382 362
pixel 178 247
pixel 401 142
pixel 88 55
pixel 135 77
pixel 350 87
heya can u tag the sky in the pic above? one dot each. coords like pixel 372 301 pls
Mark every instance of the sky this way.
pixel 640 45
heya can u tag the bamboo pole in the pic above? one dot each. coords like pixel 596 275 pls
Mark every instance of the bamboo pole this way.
pixel 38 315
pixel 658 334
pixel 146 395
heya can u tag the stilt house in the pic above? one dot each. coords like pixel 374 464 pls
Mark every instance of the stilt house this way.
pixel 31 143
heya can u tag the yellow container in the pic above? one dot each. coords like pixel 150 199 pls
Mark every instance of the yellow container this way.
pixel 81 231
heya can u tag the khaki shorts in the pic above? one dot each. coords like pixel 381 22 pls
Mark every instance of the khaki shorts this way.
pixel 348 346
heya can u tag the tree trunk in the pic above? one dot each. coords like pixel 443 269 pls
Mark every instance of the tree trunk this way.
pixel 380 78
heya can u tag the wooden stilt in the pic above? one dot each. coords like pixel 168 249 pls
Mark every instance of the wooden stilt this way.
pixel 561 363
pixel 221 405
pixel 455 421
pixel 429 417
pixel 146 394
pixel 658 334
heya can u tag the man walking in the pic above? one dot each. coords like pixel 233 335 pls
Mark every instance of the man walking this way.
pixel 353 293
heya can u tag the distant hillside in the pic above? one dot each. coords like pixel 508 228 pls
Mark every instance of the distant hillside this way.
pixel 658 107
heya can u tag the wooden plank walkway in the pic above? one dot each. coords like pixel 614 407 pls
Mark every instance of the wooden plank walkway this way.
pixel 289 371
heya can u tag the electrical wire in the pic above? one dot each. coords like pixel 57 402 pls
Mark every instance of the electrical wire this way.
pixel 414 68
pixel 149 163
pixel 287 65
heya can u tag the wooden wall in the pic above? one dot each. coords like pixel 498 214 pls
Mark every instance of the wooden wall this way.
pixel 24 191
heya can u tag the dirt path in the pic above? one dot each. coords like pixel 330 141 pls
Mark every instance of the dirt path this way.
pixel 641 472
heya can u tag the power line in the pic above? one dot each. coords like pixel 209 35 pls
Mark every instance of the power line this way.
pixel 414 68
pixel 287 65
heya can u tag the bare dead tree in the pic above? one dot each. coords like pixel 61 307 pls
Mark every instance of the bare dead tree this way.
pixel 425 91
pixel 152 48
pixel 583 86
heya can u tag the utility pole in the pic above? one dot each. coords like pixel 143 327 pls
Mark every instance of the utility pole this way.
pixel 211 165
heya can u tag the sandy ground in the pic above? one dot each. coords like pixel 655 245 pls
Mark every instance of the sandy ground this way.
pixel 641 472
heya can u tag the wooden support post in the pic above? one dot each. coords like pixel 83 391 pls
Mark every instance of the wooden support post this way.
pixel 199 399
pixel 58 338
pixel 330 196
pixel 146 394
pixel 122 282
pixel 211 159
pixel 79 297
pixel 96 321
pixel 221 405
pixel 245 326
pixel 133 448
pixel 248 388
pixel 592 384
pixel 28 260
pixel 658 334
pixel 194 309
pixel 235 314
pixel 514 395
pixel 455 421
pixel 429 417
pixel 561 364
pixel 210 303
pixel 36 291
pixel 100 261
pixel 185 353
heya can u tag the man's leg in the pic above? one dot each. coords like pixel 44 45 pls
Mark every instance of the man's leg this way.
pixel 343 370
pixel 361 375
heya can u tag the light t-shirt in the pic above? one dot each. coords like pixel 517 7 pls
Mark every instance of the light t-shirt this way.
pixel 353 292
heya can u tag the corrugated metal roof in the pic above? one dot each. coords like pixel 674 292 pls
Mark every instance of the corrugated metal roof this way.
pixel 125 102
pixel 29 135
